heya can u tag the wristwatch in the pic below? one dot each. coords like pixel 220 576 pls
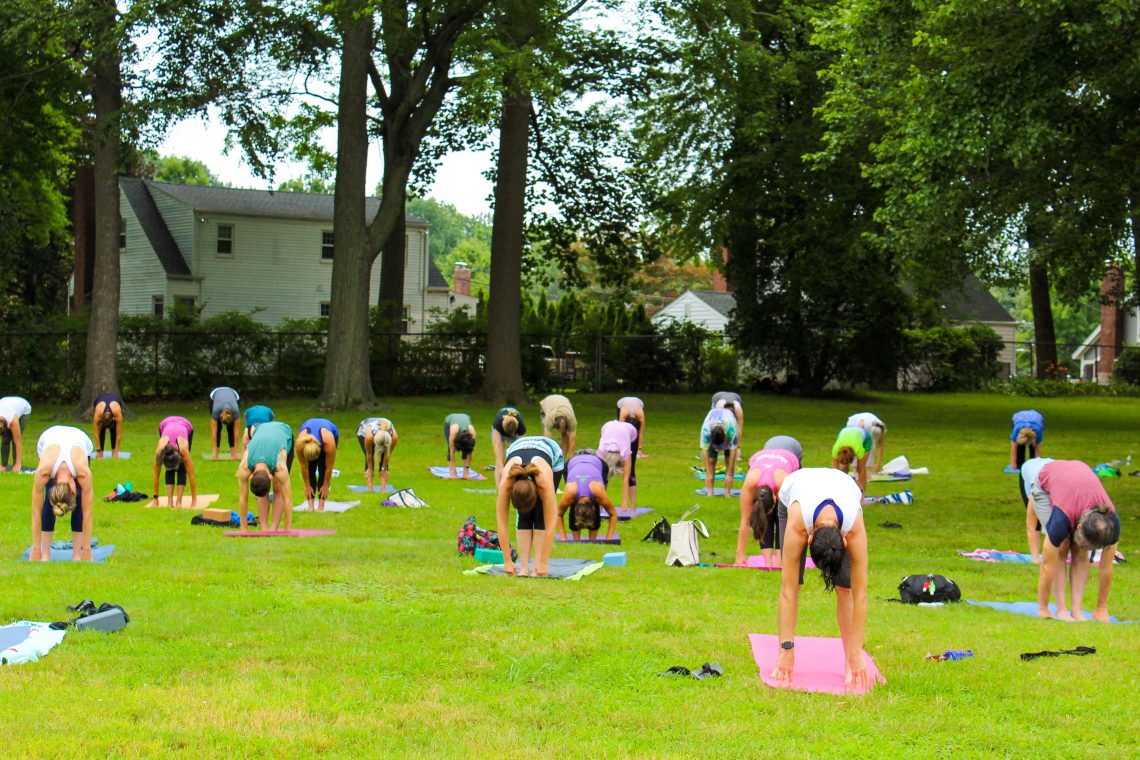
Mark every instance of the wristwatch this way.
pixel 787 645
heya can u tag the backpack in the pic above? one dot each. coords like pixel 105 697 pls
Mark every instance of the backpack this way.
pixel 684 546
pixel 916 589
pixel 405 497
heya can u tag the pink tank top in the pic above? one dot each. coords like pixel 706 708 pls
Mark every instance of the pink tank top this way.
pixel 770 460
pixel 175 428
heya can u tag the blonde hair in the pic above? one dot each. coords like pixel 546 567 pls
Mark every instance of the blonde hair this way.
pixel 1027 436
pixel 226 416
pixel 845 457
pixel 309 445
pixel 61 498
pixel 381 442
pixel 614 461
pixel 524 491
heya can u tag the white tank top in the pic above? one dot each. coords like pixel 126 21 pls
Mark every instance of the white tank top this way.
pixel 818 487
pixel 67 438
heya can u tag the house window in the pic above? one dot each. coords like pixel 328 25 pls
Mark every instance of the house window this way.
pixel 185 304
pixel 326 245
pixel 157 305
pixel 226 239
pixel 122 233
pixel 326 308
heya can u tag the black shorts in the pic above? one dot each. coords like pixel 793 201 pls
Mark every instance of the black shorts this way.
pixel 844 580
pixel 535 519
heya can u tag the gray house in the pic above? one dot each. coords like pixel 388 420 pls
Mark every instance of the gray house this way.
pixel 227 249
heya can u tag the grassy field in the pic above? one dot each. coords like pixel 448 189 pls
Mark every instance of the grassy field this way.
pixel 372 642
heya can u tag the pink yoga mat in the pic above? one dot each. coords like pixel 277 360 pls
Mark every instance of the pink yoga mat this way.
pixel 819 663
pixel 756 562
pixel 295 533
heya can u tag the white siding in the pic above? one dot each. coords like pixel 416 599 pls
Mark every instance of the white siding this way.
pixel 698 312
pixel 141 274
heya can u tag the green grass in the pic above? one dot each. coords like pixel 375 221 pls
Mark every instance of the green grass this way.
pixel 372 642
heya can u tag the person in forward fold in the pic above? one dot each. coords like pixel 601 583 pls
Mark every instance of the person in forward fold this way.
pixel 378 438
pixel 528 485
pixel 767 469
pixel 1078 516
pixel 822 508
pixel 1024 445
pixel 507 428
pixel 14 414
pixel 316 446
pixel 63 485
pixel 584 496
pixel 460 436
pixel 175 438
pixel 108 418
pixel 264 468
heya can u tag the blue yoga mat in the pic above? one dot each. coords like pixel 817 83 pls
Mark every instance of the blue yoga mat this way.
pixel 717 492
pixel 376 489
pixel 98 554
pixel 1029 609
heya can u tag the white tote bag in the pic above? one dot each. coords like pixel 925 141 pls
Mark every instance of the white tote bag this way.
pixel 684 547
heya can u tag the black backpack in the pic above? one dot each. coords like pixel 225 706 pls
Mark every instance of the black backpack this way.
pixel 928 588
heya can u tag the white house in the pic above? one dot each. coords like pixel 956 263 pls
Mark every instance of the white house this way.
pixel 711 309
pixel 227 249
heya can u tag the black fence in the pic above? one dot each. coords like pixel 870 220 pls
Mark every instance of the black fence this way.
pixel 187 363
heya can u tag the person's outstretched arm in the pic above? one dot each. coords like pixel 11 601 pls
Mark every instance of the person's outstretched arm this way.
pixel 604 500
pixel 856 676
pixel 502 513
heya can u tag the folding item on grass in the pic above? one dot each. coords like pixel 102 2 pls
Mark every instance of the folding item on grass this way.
pixel 819 664
pixel 559 568
pixel 445 473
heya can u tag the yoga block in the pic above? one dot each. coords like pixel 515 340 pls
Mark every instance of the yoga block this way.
pixel 218 515
pixel 111 620
pixel 614 559
pixel 490 556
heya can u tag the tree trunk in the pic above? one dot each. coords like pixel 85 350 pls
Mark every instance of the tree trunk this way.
pixel 502 380
pixel 101 372
pixel 348 380
pixel 1043 334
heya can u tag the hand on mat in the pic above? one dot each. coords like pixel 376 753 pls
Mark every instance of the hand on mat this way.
pixel 785 662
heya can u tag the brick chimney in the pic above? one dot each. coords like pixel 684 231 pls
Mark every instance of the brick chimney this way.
pixel 461 279
pixel 1111 322
pixel 719 283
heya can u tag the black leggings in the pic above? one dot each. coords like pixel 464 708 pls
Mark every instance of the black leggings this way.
pixel 47 515
pixel 318 472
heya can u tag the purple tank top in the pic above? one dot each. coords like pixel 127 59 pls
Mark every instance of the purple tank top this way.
pixel 585 469
pixel 175 428
pixel 770 460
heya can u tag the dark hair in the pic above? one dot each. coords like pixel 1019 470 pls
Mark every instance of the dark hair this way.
pixel 1097 528
pixel 524 491
pixel 717 435
pixel 762 502
pixel 259 482
pixel 827 552
pixel 464 442
pixel 171 459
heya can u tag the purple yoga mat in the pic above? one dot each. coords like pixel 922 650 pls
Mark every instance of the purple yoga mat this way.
pixel 818 666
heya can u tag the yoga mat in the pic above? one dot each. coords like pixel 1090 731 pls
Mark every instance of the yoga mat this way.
pixel 601 539
pixel 818 667
pixel 756 562
pixel 375 489
pixel 330 506
pixel 98 554
pixel 204 500
pixel 559 569
pixel 625 515
pixel 483 491
pixel 1029 609
pixel 445 473
pixel 717 492
pixel 107 455
pixel 295 533
pixel 25 641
